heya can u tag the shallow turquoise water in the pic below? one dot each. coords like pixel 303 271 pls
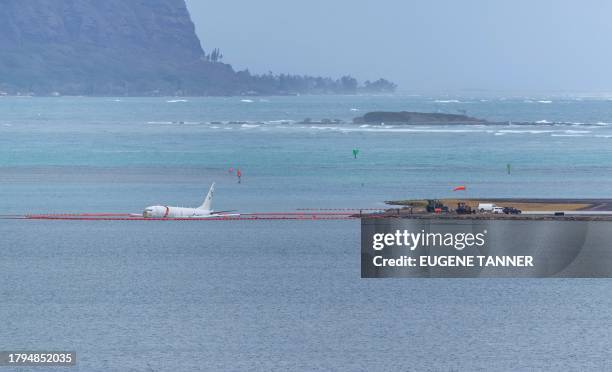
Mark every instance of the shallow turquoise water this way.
pixel 285 295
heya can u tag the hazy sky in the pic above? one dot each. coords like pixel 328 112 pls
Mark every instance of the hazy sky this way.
pixel 427 45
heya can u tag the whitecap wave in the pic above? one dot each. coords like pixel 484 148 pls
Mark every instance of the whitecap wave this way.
pixel 529 131
pixel 544 101
pixel 566 135
pixel 391 129
pixel 177 101
pixel 447 101
pixel 247 100
pixel 569 131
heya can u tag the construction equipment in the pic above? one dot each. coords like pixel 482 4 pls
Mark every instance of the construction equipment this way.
pixel 436 206
pixel 463 208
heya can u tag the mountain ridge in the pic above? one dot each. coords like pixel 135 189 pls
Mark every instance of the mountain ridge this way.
pixel 126 47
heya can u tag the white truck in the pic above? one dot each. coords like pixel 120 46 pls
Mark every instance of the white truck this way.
pixel 490 208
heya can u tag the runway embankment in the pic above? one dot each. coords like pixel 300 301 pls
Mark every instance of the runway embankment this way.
pixel 531 208
pixel 525 204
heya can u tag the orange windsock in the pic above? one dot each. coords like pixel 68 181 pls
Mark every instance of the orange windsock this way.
pixel 459 188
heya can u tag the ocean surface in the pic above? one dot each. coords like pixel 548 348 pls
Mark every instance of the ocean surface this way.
pixel 283 295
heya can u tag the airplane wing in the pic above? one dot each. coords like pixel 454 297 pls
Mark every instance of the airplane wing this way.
pixel 222 212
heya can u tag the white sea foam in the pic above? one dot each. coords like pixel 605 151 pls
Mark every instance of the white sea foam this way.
pixel 569 131
pixel 177 100
pixel 390 129
pixel 249 126
pixel 246 100
pixel 447 101
pixel 412 130
pixel 544 101
pixel 508 131
pixel 354 109
pixel 543 122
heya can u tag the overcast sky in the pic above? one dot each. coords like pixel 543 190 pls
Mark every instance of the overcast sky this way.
pixel 425 46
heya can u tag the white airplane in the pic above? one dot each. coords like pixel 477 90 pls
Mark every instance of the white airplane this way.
pixel 203 211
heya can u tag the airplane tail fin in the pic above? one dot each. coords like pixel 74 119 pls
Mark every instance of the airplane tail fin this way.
pixel 208 201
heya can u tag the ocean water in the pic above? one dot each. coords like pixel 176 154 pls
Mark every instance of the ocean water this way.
pixel 283 295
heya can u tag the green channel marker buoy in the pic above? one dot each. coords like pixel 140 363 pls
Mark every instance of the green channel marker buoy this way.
pixel 355 153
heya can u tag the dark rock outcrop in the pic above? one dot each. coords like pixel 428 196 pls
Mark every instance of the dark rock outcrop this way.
pixel 406 117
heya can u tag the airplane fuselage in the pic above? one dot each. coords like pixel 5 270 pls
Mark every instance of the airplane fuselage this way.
pixel 203 211
pixel 159 211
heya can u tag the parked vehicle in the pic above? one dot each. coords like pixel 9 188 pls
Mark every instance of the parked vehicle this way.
pixel 498 210
pixel 486 207
pixel 512 210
